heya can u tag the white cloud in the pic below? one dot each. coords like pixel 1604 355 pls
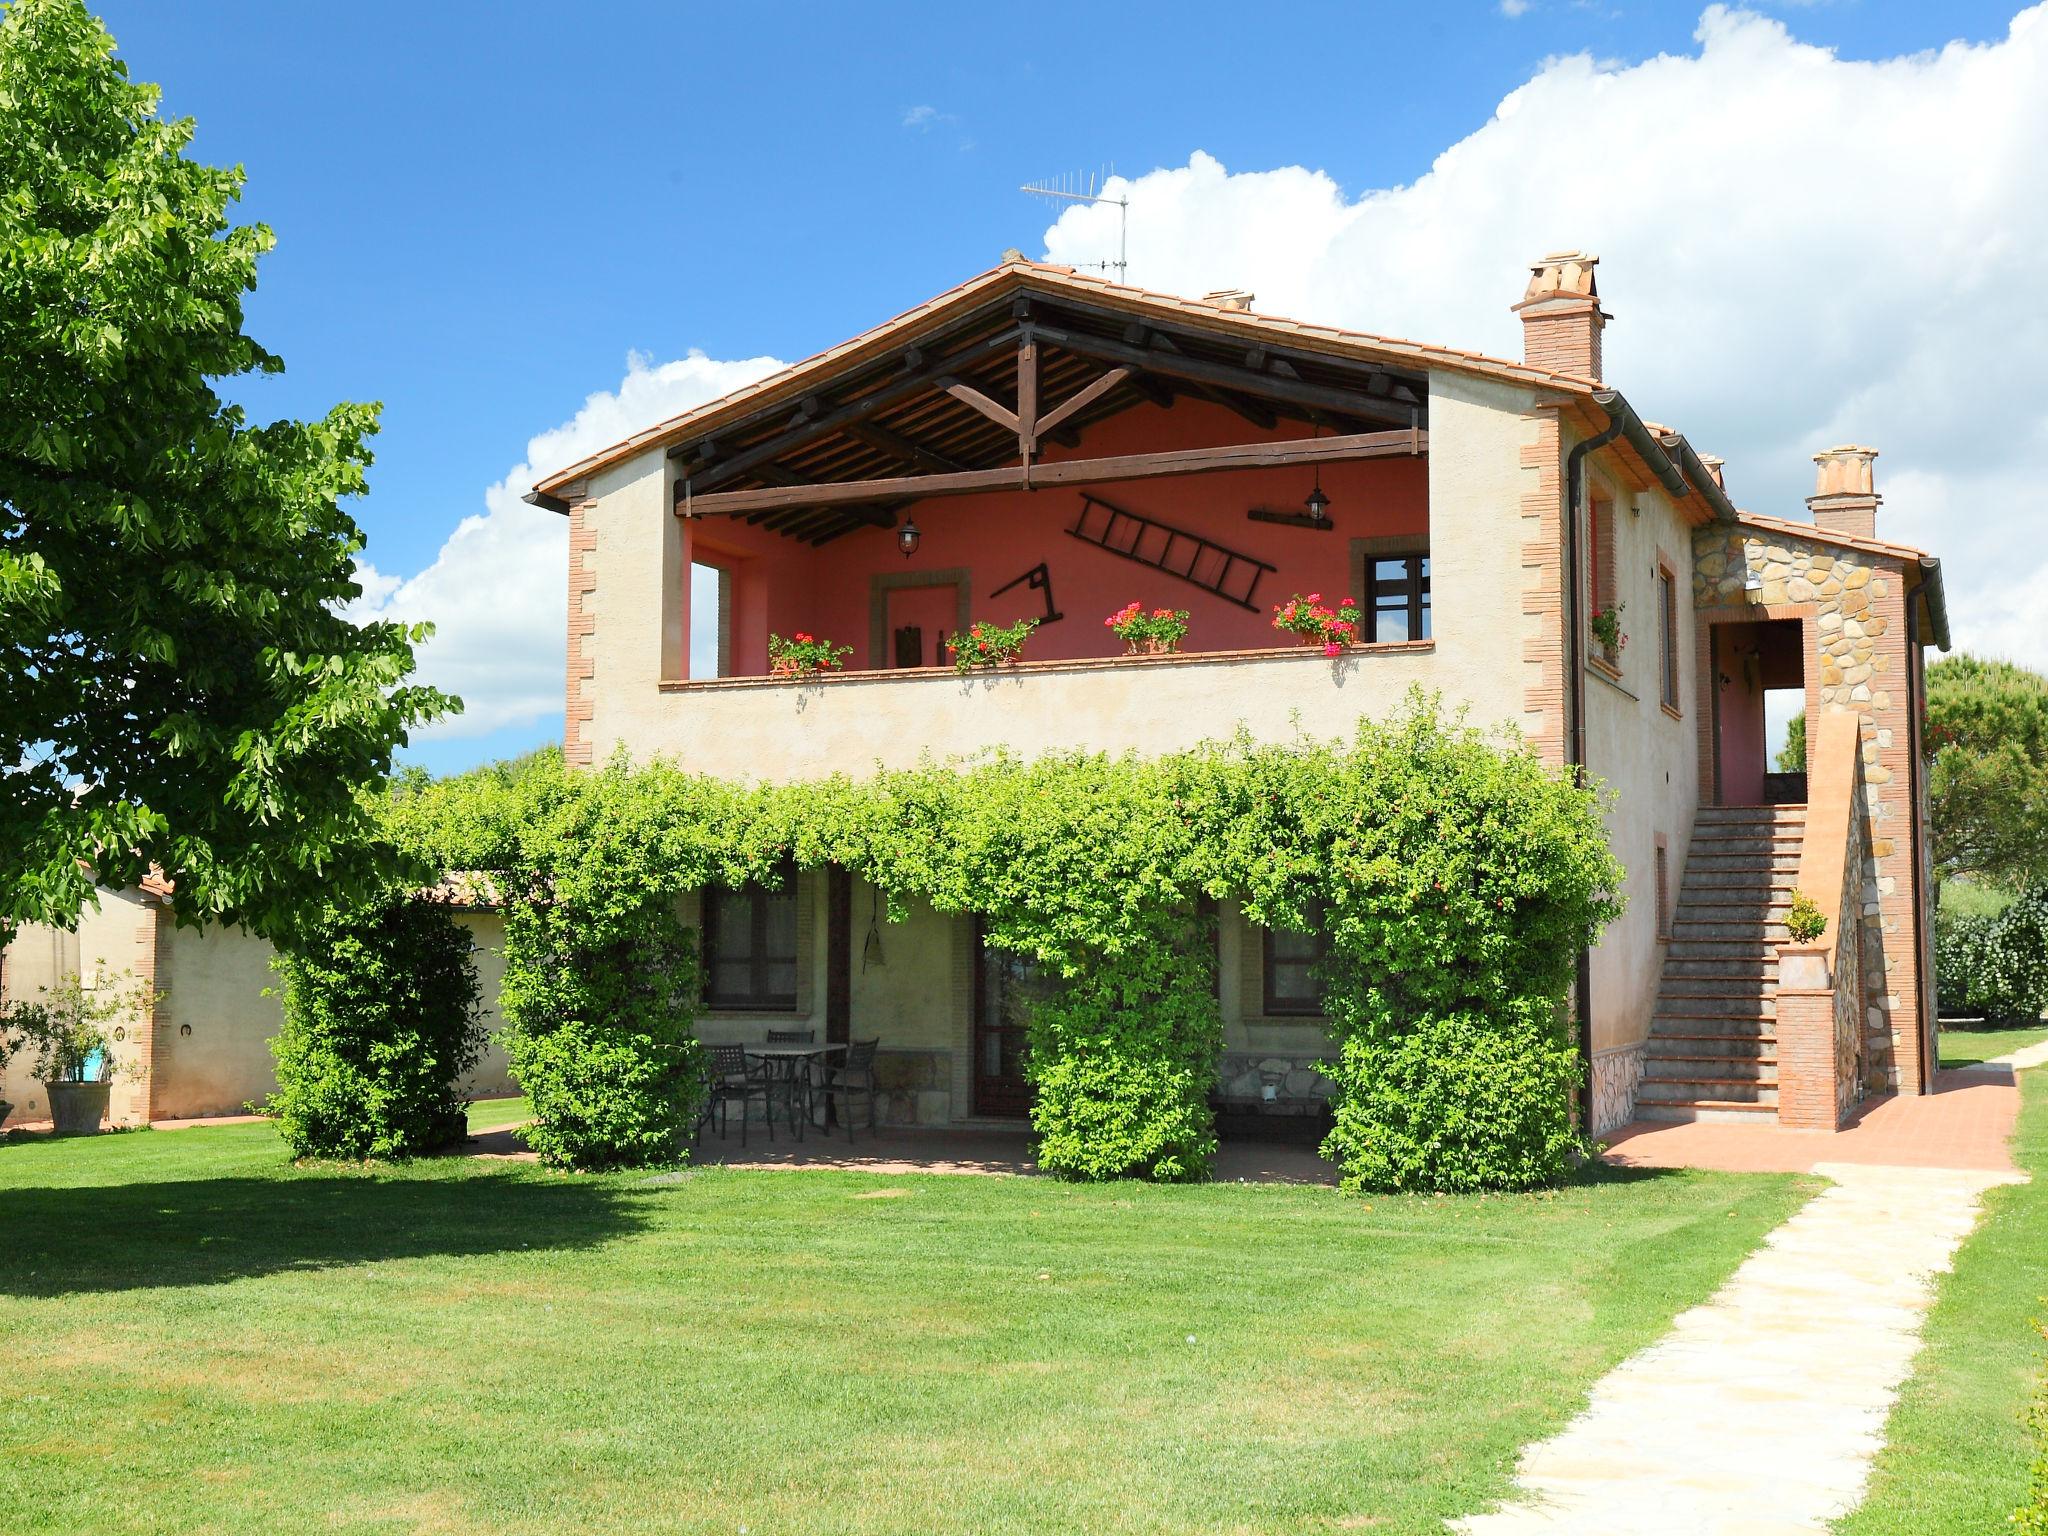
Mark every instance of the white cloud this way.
pixel 497 593
pixel 1798 249
pixel 1514 8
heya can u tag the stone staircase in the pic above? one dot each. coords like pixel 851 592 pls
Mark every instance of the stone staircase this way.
pixel 1713 1050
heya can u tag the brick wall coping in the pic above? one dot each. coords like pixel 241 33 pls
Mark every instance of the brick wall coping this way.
pixel 1077 664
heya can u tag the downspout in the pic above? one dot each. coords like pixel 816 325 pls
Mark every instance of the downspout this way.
pixel 1575 723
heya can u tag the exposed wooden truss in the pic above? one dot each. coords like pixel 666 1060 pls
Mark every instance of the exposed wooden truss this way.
pixel 1127 466
pixel 970 408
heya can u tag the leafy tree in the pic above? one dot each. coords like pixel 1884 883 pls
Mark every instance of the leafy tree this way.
pixel 1792 759
pixel 177 687
pixel 1987 737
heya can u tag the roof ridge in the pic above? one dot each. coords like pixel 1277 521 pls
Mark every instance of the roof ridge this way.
pixel 1029 273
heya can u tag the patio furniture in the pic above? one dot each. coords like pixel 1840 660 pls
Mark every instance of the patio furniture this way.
pixel 792 1074
pixel 846 1080
pixel 734 1080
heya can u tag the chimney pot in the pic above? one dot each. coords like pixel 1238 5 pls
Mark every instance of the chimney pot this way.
pixel 1845 498
pixel 1715 466
pixel 1229 298
pixel 1561 315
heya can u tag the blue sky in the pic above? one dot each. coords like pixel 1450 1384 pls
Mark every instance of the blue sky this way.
pixel 482 209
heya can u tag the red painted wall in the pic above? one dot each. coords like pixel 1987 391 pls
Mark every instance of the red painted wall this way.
pixel 783 586
pixel 1750 659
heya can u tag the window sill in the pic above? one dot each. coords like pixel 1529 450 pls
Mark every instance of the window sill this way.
pixel 1673 713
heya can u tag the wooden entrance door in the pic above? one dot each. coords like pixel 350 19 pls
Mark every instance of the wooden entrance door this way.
pixel 1004 985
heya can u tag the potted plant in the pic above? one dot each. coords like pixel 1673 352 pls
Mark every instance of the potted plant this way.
pixel 990 645
pixel 1157 633
pixel 72 1032
pixel 1312 623
pixel 803 655
pixel 1606 627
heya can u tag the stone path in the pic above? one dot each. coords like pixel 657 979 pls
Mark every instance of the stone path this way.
pixel 1760 1412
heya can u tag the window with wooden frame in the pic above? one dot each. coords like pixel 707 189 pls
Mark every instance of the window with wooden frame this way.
pixel 1667 637
pixel 1397 596
pixel 750 957
pixel 1291 964
pixel 1600 575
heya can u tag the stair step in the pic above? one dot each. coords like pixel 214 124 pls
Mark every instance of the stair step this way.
pixel 1710 1109
pixel 1719 949
pixel 1710 995
pixel 1695 1043
pixel 1689 1090
pixel 1716 1016
pixel 1750 815
pixel 1760 881
pixel 1754 968
pixel 1742 861
pixel 1722 930
pixel 1708 1069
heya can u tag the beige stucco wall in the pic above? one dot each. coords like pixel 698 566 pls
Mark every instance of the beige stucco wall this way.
pixel 208 1049
pixel 215 1023
pixel 492 1076
pixel 1649 759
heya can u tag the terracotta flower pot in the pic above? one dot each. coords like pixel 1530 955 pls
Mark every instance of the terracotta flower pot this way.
pixel 77 1109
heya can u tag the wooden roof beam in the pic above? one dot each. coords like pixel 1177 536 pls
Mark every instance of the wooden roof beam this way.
pixel 1133 466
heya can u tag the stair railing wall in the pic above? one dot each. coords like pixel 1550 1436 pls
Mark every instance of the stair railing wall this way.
pixel 1820 984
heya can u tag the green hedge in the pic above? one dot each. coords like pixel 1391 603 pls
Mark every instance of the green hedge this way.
pixel 1456 875
pixel 380 1029
pixel 1995 965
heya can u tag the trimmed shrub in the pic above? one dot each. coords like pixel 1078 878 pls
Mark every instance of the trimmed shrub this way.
pixel 1122 1060
pixel 380 1028
pixel 1996 966
pixel 601 1034
pixel 1457 1102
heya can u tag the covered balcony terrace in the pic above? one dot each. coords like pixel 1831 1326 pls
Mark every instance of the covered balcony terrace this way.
pixel 1052 465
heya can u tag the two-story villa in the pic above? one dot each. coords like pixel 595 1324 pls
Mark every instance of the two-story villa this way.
pixel 1038 443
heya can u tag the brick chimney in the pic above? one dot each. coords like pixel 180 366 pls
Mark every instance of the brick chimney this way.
pixel 1845 498
pixel 1561 315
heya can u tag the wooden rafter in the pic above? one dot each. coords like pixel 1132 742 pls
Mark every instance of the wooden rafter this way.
pixel 1081 399
pixel 1132 466
pixel 903 449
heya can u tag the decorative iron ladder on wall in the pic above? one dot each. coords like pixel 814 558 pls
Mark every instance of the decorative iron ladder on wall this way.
pixel 1163 547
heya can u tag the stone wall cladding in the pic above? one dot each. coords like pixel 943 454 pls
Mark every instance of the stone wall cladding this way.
pixel 1298 1084
pixel 580 704
pixel 1543 703
pixel 1616 1076
pixel 1860 635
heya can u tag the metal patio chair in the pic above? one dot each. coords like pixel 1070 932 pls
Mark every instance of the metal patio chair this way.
pixel 851 1076
pixel 734 1080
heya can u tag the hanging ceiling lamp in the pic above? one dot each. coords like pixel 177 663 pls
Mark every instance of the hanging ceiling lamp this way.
pixel 1318 504
pixel 907 537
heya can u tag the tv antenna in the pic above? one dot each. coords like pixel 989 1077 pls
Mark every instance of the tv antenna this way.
pixel 1087 187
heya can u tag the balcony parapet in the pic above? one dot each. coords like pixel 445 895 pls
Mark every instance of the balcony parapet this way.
pixel 1306 653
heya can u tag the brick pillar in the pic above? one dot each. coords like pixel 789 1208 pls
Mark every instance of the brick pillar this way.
pixel 1806 1039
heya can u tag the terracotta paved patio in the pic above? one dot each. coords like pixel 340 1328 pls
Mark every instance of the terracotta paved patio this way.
pixel 1965 1123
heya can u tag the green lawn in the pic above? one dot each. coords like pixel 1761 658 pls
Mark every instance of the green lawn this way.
pixel 1958 1446
pixel 202 1337
pixel 1967 1047
pixel 492 1114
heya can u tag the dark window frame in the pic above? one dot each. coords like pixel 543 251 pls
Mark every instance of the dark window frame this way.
pixel 1667 631
pixel 757 998
pixel 1413 588
pixel 1272 1005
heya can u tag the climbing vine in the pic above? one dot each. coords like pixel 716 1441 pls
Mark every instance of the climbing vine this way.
pixel 1455 875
